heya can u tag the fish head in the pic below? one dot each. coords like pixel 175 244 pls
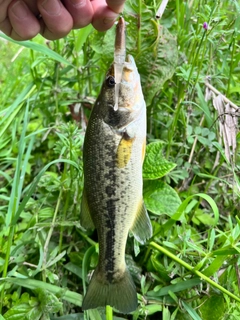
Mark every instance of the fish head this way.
pixel 130 101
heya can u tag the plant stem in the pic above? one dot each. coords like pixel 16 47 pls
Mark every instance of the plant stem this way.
pixel 34 69
pixel 139 40
pixel 56 74
pixel 207 84
pixel 178 15
pixel 7 257
pixel 231 65
pixel 195 59
pixel 191 269
pixel 195 142
pixel 45 250
pixel 173 126
pixel 89 240
pixel 109 313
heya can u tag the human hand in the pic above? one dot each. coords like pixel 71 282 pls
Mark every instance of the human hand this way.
pixel 54 19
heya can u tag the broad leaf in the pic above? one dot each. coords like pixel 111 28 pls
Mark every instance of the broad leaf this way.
pixel 212 308
pixel 155 165
pixel 160 198
pixel 26 308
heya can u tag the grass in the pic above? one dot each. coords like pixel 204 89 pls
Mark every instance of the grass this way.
pixel 190 268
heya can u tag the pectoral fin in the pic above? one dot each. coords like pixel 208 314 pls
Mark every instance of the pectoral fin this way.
pixel 142 228
pixel 85 217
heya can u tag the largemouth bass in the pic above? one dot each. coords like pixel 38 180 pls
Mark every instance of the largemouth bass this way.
pixel 113 154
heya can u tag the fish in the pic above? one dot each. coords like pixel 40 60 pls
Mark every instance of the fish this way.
pixel 112 200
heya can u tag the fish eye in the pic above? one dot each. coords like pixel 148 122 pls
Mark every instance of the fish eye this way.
pixel 110 81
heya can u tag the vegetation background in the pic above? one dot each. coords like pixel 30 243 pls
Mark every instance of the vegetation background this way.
pixel 190 268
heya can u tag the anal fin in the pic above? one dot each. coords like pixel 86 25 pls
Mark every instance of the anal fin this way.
pixel 142 228
pixel 85 217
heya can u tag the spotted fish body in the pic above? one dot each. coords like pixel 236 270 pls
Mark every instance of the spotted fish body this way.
pixel 113 154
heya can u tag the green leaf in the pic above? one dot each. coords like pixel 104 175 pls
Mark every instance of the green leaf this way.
pixel 25 308
pixel 158 60
pixel 160 268
pixel 70 266
pixel 12 111
pixel 181 286
pixel 82 35
pixel 180 211
pixel 225 251
pixel 49 302
pixel 204 218
pixel 34 185
pixel 214 266
pixel 85 265
pixel 32 284
pixel 103 44
pixel 203 106
pixel 166 315
pixel 212 308
pixel 74 316
pixel 155 165
pixel 160 198
pixel 153 46
pixel 191 311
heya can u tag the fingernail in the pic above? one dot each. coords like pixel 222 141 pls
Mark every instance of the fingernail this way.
pixel 20 10
pixel 109 20
pixel 52 7
pixel 78 3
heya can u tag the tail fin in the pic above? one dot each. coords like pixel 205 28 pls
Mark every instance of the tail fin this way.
pixel 120 295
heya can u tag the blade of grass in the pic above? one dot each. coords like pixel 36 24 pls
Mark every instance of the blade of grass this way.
pixel 204 107
pixel 39 48
pixel 81 37
pixel 191 311
pixel 86 262
pixel 9 114
pixel 183 206
pixel 16 191
pixel 180 286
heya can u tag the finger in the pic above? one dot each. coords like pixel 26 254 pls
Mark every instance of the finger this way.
pixel 57 21
pixel 5 24
pixel 21 23
pixel 103 16
pixel 81 12
pixel 116 5
pixel 32 5
pixel 3 12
